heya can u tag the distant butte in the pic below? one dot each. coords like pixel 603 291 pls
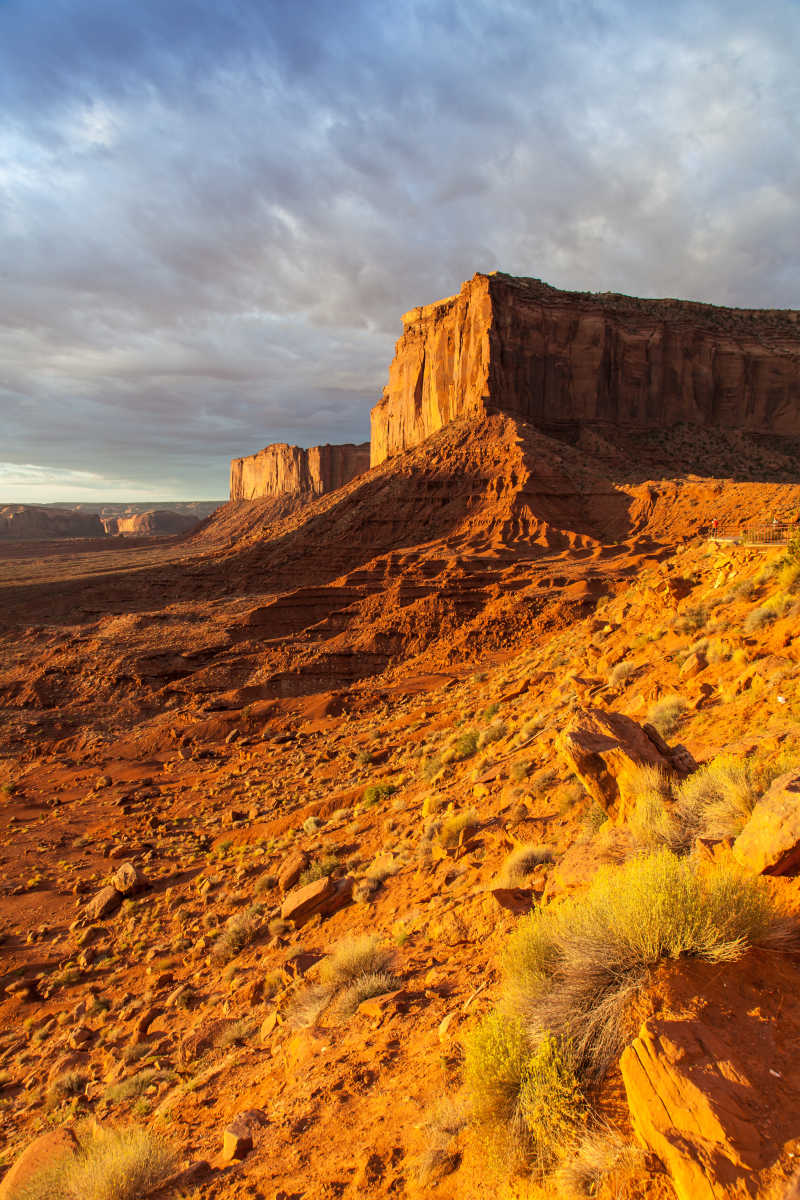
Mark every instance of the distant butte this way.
pixel 560 360
pixel 281 470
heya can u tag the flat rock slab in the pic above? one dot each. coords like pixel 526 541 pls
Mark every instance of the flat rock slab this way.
pixel 769 844
pixel 43 1152
pixel 697 1102
pixel 323 896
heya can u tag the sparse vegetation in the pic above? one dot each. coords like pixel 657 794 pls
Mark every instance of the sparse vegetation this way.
pixel 522 862
pixel 526 1096
pixel 239 931
pixel 571 969
pixel 456 824
pixel 110 1164
pixel 325 865
pixel 665 715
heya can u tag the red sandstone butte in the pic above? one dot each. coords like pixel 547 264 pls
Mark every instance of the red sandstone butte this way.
pixel 558 359
pixel 283 470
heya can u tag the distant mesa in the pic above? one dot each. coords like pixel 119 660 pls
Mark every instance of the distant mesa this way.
pixel 158 522
pixel 34 522
pixel 560 360
pixel 281 470
pixel 41 522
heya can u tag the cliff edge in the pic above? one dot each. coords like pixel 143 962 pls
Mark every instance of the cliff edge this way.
pixel 557 359
pixel 283 470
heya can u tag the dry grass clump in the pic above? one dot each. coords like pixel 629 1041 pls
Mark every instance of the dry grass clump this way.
pixel 364 987
pixel 465 745
pixel 110 1164
pixel 759 617
pixel 321 866
pixel 440 1127
pixel 653 821
pixel 521 862
pixel 355 970
pixel 352 958
pixel 239 931
pixel 621 672
pixel 718 799
pixel 455 824
pixel 715 802
pixel 135 1085
pixel 571 969
pixel 599 1153
pixel 526 1096
pixel 493 733
pixel 665 715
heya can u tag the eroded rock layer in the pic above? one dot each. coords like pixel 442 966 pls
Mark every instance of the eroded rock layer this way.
pixel 283 470
pixel 563 359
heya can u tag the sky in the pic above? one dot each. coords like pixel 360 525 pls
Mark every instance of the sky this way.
pixel 213 213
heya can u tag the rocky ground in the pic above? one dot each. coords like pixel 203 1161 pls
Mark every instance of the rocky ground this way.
pixel 222 761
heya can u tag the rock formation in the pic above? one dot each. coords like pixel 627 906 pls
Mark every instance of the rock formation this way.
pixel 34 521
pixel 156 523
pixel 283 470
pixel 560 359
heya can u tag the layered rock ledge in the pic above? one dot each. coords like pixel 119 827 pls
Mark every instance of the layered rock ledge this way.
pixel 283 470
pixel 558 359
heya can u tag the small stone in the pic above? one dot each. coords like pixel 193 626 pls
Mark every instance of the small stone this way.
pixel 127 880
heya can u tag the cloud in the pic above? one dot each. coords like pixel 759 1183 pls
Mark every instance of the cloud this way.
pixel 213 216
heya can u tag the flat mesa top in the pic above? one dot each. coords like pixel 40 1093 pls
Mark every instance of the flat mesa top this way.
pixel 525 290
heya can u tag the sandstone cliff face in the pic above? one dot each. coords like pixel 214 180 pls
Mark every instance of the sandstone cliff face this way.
pixel 283 470
pixel 559 358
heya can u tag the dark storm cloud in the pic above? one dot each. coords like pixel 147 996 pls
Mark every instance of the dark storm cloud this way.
pixel 213 215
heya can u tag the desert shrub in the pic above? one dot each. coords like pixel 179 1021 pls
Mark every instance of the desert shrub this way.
pixel 135 1085
pixel 110 1164
pixel 321 866
pixel 352 958
pixel 431 766
pixel 759 617
pixel 692 620
pixel 311 825
pixel 239 931
pixel 453 825
pixel 653 821
pixel 521 1092
pixel 465 745
pixel 493 733
pixel 665 715
pixel 68 1083
pixel 789 575
pixel 521 862
pixel 717 800
pixel 621 672
pixel 519 770
pixel 570 969
pixel 376 792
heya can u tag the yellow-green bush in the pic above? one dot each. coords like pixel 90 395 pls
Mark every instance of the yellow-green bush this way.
pixel 523 1092
pixel 571 968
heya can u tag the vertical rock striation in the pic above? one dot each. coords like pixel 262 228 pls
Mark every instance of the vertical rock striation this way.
pixel 559 359
pixel 283 470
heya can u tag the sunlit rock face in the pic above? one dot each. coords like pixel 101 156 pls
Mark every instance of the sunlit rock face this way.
pixel 283 470
pixel 559 359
